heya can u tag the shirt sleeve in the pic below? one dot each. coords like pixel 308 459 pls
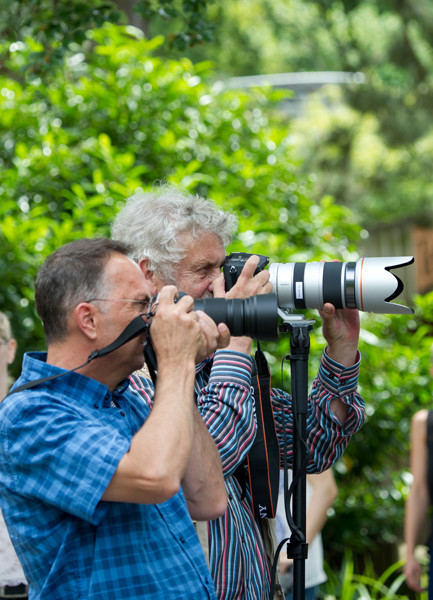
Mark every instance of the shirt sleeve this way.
pixel 225 402
pixel 326 437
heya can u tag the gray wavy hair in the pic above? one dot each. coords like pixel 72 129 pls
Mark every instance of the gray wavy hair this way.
pixel 152 223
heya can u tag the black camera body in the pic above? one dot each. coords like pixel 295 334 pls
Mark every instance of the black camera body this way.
pixel 235 262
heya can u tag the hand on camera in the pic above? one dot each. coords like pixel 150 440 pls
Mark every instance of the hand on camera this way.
pixel 175 329
pixel 247 284
pixel 341 331
pixel 214 336
pixel 179 330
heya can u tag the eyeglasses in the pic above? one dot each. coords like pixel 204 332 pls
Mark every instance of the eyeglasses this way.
pixel 148 305
pixel 4 341
pixel 145 304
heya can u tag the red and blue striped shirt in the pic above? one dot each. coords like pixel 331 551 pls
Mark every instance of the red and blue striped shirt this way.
pixel 238 562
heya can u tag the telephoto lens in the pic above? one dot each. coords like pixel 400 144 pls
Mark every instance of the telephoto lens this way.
pixel 255 317
pixel 367 284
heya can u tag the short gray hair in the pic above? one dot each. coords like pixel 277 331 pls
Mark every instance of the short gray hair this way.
pixel 74 273
pixel 152 224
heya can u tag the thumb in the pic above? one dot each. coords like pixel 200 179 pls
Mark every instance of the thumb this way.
pixel 218 287
pixel 328 310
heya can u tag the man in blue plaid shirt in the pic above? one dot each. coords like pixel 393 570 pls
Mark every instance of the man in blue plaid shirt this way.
pixel 95 488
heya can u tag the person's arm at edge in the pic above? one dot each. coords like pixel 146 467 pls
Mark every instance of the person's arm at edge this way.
pixel 417 501
pixel 324 494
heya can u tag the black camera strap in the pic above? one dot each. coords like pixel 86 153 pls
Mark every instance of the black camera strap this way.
pixel 150 360
pixel 134 328
pixel 262 464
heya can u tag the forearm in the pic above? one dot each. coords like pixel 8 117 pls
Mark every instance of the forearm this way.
pixel 241 344
pixel 415 517
pixel 327 437
pixel 314 525
pixel 347 356
pixel 324 494
pixel 414 523
pixel 203 482
pixel 226 406
pixel 172 417
pixel 152 469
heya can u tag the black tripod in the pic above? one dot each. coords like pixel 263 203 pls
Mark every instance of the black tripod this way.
pixel 297 548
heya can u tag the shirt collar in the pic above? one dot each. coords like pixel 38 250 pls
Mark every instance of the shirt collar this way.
pixel 35 366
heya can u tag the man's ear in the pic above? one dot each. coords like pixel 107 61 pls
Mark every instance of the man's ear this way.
pixel 12 348
pixel 85 318
pixel 151 279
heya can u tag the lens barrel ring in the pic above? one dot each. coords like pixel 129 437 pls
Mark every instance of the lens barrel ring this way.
pixel 349 285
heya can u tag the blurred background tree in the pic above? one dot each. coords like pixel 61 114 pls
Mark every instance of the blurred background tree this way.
pixel 113 117
pixel 373 155
pixel 92 108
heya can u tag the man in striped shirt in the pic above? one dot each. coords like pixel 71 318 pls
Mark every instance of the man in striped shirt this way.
pixel 180 239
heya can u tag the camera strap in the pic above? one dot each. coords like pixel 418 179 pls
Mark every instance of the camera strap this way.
pixel 263 460
pixel 134 328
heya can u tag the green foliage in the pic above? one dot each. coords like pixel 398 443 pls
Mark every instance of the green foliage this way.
pixel 353 162
pixel 373 475
pixel 186 18
pixel 374 157
pixel 376 161
pixel 348 585
pixel 53 26
pixel 116 118
pixel 58 27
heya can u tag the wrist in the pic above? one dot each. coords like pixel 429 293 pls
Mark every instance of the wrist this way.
pixel 179 367
pixel 240 344
pixel 346 356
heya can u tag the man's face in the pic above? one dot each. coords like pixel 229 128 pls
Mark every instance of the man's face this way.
pixel 201 265
pixel 128 297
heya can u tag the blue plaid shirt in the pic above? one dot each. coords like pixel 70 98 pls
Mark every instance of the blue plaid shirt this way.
pixel 60 445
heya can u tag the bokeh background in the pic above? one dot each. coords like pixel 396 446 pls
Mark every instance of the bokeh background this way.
pixel 311 120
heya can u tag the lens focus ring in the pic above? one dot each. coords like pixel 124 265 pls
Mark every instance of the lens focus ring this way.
pixel 349 285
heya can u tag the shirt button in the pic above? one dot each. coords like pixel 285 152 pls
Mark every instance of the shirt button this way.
pixel 96 405
pixel 182 539
pixel 123 413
